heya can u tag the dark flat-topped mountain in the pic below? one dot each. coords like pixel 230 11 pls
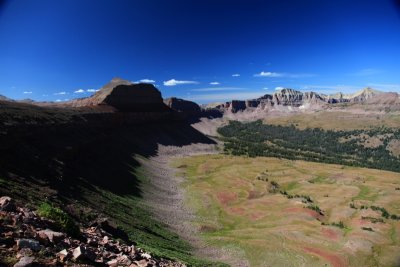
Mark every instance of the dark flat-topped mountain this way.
pixel 126 96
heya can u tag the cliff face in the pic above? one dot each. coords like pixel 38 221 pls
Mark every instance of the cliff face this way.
pixel 292 98
pixel 182 105
pixel 288 97
pixel 135 97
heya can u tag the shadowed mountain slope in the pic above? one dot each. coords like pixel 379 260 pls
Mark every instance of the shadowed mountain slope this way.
pixel 85 161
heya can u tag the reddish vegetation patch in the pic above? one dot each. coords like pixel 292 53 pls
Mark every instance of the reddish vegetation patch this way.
pixel 237 210
pixel 226 198
pixel 256 216
pixel 266 202
pixel 362 221
pixel 294 209
pixel 333 259
pixel 239 183
pixel 312 213
pixel 329 233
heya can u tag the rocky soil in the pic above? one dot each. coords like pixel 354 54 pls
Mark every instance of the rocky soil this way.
pixel 27 239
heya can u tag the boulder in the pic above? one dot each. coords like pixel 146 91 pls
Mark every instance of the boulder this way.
pixel 141 263
pixel 83 253
pixel 28 243
pixel 112 263
pixel 25 262
pixel 64 255
pixel 53 237
pixel 145 256
pixel 123 260
pixel 24 252
pixel 78 253
pixel 7 204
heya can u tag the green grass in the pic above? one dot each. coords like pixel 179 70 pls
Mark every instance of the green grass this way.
pixel 65 222
pixel 238 211
pixel 393 235
pixel 366 194
pixel 290 186
pixel 320 179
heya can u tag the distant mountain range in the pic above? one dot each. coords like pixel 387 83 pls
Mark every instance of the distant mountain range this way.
pixel 123 95
pixel 308 100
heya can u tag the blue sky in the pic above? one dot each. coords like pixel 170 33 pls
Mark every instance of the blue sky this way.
pixel 57 50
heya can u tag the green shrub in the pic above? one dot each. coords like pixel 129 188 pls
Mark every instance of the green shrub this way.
pixel 62 219
pixel 339 224
pixel 367 229
pixel 372 219
pixel 315 208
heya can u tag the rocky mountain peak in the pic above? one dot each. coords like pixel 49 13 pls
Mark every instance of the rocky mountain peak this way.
pixel 287 91
pixel 364 94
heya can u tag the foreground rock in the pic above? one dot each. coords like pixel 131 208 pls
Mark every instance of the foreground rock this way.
pixel 7 204
pixel 26 240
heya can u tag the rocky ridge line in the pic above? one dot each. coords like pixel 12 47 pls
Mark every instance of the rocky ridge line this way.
pixel 293 98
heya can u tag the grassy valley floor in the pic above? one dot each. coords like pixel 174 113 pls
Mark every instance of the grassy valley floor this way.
pixel 294 213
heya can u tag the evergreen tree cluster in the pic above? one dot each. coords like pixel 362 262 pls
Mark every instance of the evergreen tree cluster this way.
pixel 312 144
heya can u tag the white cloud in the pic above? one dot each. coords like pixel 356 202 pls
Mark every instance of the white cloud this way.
pixel 299 75
pixel 79 91
pixel 268 74
pixel 278 88
pixel 265 88
pixel 62 100
pixel 61 93
pixel 211 89
pixel 92 90
pixel 214 83
pixel 174 82
pixel 366 72
pixel 28 92
pixel 283 74
pixel 147 81
pixel 236 75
